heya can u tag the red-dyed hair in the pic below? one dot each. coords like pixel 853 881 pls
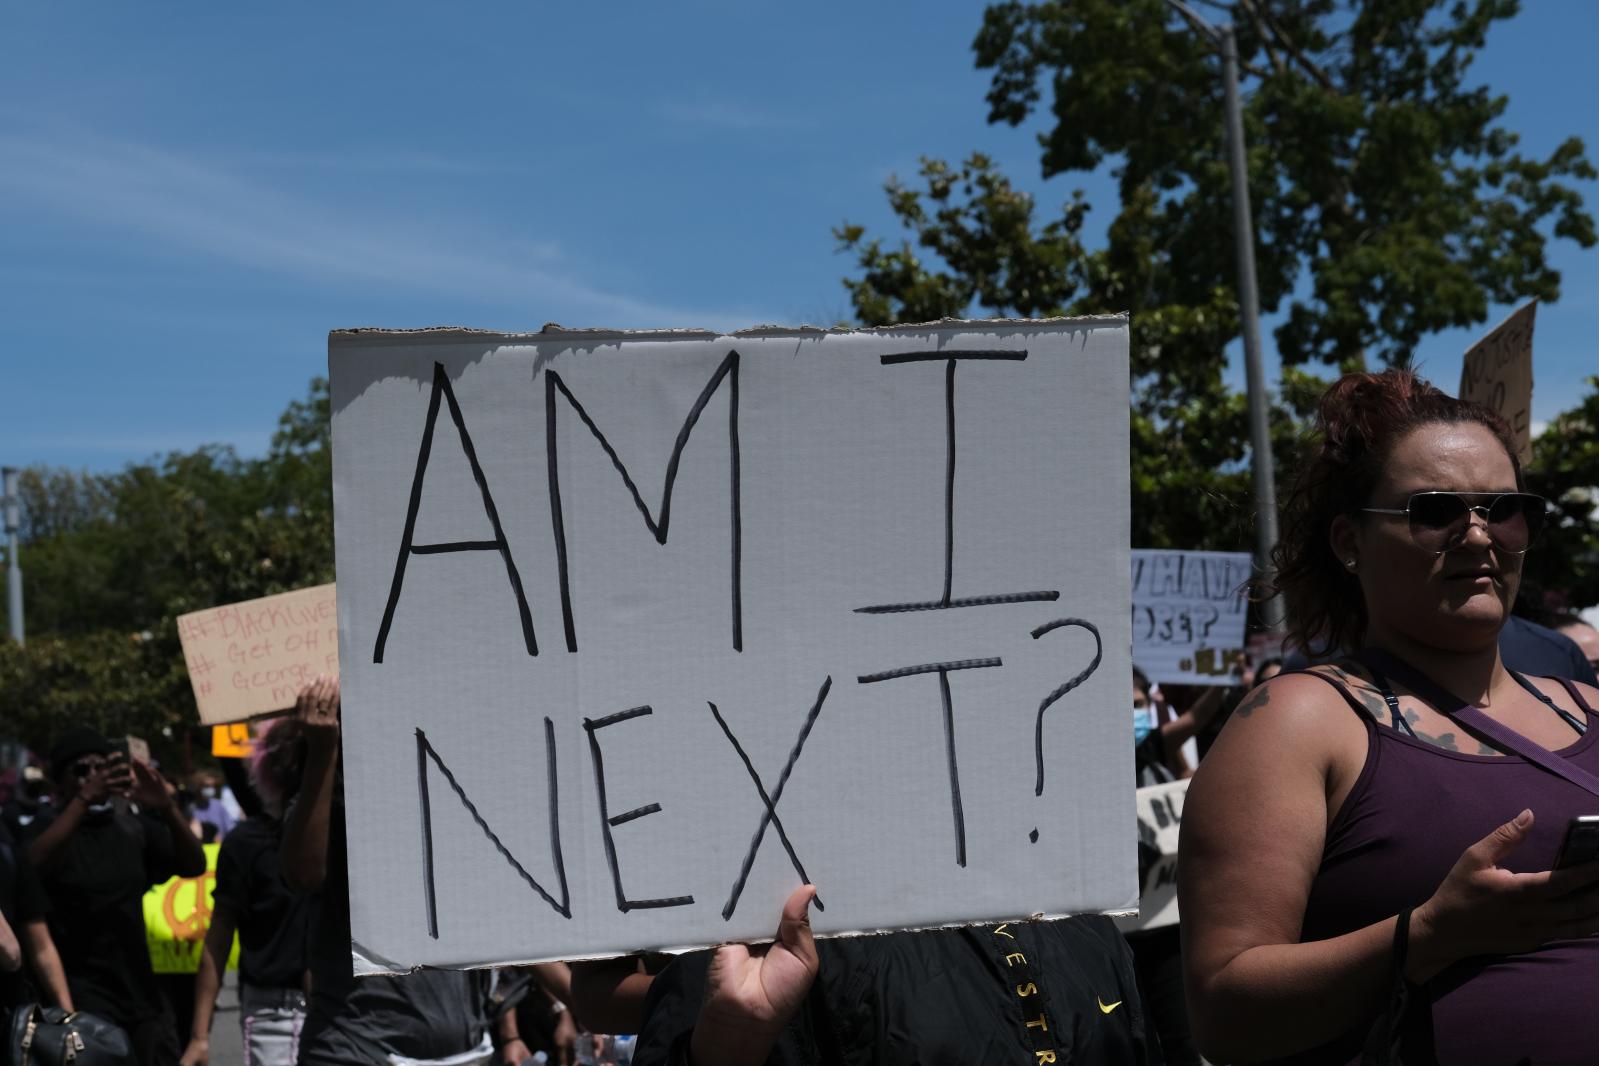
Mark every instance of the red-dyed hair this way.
pixel 1360 418
pixel 277 762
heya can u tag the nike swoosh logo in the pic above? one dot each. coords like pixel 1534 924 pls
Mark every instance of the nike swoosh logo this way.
pixel 1105 1008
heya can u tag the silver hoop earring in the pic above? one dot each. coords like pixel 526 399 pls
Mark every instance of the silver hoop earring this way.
pixel 1349 563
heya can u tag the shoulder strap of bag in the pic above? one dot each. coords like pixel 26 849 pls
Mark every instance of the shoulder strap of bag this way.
pixel 1474 719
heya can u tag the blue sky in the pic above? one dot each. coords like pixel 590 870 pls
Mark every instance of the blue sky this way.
pixel 190 199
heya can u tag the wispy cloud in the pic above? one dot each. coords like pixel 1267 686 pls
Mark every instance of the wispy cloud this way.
pixel 189 202
pixel 724 114
pixel 370 159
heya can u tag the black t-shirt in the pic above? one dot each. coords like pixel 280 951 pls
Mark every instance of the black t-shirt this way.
pixel 273 922
pixel 429 1014
pixel 22 899
pixel 96 883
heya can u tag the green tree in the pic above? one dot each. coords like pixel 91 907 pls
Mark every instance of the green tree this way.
pixel 111 560
pixel 1565 470
pixel 1389 203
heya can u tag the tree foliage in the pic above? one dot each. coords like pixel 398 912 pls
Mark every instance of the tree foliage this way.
pixel 110 560
pixel 1562 570
pixel 1388 201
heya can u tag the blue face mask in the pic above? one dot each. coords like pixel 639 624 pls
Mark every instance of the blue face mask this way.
pixel 1143 723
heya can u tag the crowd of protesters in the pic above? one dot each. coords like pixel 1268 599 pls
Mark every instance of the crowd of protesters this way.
pixel 1365 866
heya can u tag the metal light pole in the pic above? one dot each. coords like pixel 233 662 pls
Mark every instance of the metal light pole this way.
pixel 1249 314
pixel 13 509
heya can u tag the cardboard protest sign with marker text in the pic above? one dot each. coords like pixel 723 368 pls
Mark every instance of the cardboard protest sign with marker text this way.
pixel 1497 371
pixel 1160 823
pixel 641 630
pixel 252 658
pixel 1189 610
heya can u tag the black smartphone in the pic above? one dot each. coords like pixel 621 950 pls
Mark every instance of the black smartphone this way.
pixel 1582 842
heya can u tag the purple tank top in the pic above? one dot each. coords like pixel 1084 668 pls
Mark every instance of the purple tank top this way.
pixel 1412 811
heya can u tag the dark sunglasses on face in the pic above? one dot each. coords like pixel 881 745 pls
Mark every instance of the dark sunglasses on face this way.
pixel 1439 521
pixel 85 767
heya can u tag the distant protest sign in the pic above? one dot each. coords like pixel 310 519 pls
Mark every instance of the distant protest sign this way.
pixel 642 630
pixel 249 659
pixel 1160 823
pixel 1189 610
pixel 1497 371
pixel 177 915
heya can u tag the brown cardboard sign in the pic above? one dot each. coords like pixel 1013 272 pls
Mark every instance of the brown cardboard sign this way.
pixel 250 659
pixel 1497 371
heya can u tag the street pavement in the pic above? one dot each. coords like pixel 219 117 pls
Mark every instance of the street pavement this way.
pixel 227 1042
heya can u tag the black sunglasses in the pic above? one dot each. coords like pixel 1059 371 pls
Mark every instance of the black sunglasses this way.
pixel 1439 521
pixel 85 767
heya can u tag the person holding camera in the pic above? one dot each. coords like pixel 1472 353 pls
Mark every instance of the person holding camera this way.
pixel 114 833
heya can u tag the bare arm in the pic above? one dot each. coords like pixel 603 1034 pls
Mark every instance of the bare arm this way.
pixel 10 950
pixel 1177 732
pixel 304 851
pixel 609 995
pixel 207 981
pixel 149 791
pixel 46 961
pixel 1254 827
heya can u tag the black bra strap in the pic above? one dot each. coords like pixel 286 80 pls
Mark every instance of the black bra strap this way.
pixel 1387 690
pixel 1565 715
pixel 1576 695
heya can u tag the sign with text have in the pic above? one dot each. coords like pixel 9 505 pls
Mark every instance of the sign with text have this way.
pixel 1497 371
pixel 641 630
pixel 1189 610
pixel 252 658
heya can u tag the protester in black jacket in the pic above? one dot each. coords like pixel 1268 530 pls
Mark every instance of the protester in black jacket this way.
pixel 97 856
pixel 1021 992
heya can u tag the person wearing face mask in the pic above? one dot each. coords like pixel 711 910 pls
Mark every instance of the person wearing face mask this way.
pixel 1157 744
pixel 216 820
pixel 114 833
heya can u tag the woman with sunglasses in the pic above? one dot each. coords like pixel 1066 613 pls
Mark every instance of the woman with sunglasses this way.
pixel 1358 831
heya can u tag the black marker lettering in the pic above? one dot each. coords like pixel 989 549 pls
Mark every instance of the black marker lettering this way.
pixel 769 814
pixel 441 388
pixel 607 823
pixel 943 671
pixel 1038 730
pixel 947 601
pixel 425 754
pixel 658 527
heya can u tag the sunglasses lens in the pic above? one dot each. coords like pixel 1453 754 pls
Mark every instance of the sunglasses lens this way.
pixel 1514 520
pixel 1437 519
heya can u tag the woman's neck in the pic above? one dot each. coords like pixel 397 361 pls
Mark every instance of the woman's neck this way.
pixel 1474 676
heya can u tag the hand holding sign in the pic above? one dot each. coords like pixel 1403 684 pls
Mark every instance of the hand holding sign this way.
pixel 751 993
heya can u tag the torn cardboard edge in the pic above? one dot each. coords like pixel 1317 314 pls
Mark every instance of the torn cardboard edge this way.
pixel 368 963
pixel 555 331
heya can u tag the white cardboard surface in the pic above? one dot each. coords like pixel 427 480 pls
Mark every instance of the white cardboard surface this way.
pixel 842 476
pixel 1188 614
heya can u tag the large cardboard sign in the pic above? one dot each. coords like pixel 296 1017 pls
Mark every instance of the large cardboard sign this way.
pixel 1497 371
pixel 1160 823
pixel 1189 610
pixel 641 630
pixel 252 658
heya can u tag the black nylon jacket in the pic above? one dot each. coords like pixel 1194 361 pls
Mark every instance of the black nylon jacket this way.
pixel 1028 993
